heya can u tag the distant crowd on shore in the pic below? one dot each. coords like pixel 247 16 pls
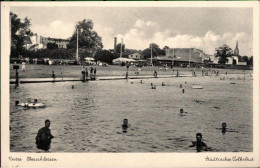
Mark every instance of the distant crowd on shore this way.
pixel 85 73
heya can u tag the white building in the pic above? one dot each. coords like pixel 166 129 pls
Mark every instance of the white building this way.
pixel 40 42
pixel 136 56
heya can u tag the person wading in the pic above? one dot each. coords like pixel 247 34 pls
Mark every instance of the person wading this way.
pixel 44 136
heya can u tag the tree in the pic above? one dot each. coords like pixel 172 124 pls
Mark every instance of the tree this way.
pixel 164 49
pixel 52 46
pixel 223 52
pixel 155 49
pixel 88 40
pixel 250 61
pixel 19 30
pixel 105 56
pixel 118 48
pixel 244 59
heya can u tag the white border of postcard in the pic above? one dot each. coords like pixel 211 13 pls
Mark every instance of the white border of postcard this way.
pixel 124 159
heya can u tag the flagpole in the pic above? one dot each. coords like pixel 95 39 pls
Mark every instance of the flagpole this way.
pixel 121 47
pixel 151 54
pixel 77 50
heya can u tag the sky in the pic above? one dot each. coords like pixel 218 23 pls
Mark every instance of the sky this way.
pixel 203 28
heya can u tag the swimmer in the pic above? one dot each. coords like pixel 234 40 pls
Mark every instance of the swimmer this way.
pixel 182 112
pixel 200 145
pixel 125 124
pixel 224 128
pixel 141 81
pixel 35 101
pixel 163 84
pixel 183 90
pixel 16 102
pixel 180 85
pixel 72 87
pixel 151 84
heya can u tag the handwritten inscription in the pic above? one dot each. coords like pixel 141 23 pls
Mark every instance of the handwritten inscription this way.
pixel 14 159
pixel 42 158
pixel 29 158
pixel 229 159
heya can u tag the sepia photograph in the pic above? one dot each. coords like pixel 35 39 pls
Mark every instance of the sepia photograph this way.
pixel 131 79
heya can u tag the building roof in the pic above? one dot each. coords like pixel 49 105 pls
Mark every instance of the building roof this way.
pixel 135 53
pixel 56 39
pixel 173 59
pixel 123 60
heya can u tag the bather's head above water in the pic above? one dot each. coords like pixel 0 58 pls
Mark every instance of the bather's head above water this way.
pixel 198 137
pixel 125 123
pixel 224 125
pixel 47 123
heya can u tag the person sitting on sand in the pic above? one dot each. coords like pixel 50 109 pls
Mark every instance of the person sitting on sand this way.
pixel 224 128
pixel 200 145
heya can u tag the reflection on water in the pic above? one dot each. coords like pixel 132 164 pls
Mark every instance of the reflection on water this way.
pixel 89 117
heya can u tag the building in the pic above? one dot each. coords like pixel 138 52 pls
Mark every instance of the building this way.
pixel 40 42
pixel 135 56
pixel 35 42
pixel 236 58
pixel 236 50
pixel 185 56
pixel 62 43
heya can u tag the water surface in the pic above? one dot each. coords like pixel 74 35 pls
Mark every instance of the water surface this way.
pixel 88 118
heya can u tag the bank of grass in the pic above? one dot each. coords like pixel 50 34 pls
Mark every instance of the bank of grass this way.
pixel 69 71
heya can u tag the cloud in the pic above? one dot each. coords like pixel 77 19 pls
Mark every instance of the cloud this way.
pixel 107 35
pixel 56 29
pixel 142 33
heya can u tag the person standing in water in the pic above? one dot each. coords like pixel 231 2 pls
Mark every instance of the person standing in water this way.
pixel 95 71
pixel 86 72
pixel 200 145
pixel 83 73
pixel 53 75
pixel 224 128
pixel 44 136
pixel 125 125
